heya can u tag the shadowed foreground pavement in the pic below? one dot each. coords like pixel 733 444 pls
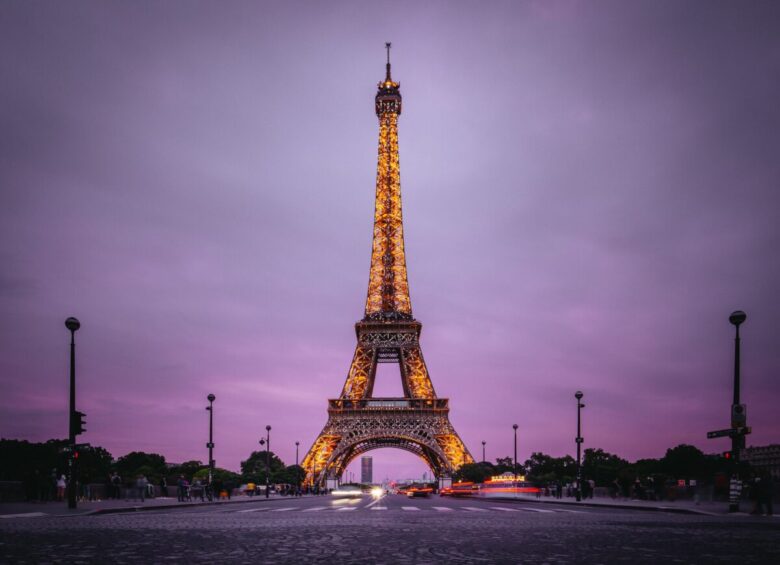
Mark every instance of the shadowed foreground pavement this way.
pixel 392 530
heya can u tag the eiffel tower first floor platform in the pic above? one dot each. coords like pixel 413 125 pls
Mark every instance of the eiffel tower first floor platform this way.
pixel 420 426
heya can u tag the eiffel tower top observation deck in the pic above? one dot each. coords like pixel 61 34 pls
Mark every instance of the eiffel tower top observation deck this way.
pixel 388 287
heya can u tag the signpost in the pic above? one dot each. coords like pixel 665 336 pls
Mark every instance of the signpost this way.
pixel 729 432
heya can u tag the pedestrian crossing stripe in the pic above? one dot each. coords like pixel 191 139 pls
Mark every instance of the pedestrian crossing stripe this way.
pixel 442 509
pixel 378 508
pixel 283 509
pixel 315 509
pixel 346 508
pixel 252 510
pixel 413 508
pixel 537 510
pixel 471 508
pixel 569 511
pixel 24 515
pixel 504 509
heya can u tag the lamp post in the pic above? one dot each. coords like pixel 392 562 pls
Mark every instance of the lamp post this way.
pixel 578 395
pixel 210 444
pixel 297 470
pixel 267 459
pixel 72 324
pixel 737 410
pixel 514 469
pixel 483 450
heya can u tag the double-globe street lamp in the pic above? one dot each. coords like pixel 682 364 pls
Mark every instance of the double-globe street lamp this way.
pixel 72 324
pixel 210 444
pixel 578 395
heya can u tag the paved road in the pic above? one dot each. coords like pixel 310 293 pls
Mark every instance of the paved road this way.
pixel 393 529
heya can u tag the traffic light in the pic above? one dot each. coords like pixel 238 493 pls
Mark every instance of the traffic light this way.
pixel 78 422
pixel 738 416
pixel 727 455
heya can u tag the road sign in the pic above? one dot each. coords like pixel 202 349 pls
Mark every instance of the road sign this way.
pixel 729 432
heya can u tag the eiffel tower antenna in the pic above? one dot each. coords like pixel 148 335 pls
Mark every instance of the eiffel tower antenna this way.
pixel 388 333
pixel 387 75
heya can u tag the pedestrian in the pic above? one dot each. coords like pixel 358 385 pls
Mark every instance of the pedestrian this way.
pixel 116 486
pixel 141 484
pixel 164 487
pixel 181 488
pixel 765 493
pixel 61 484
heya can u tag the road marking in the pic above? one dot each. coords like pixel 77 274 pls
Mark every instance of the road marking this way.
pixel 24 515
pixel 413 508
pixel 282 509
pixel 442 508
pixel 370 504
pixel 252 510
pixel 379 508
pixel 474 509
pixel 504 509
pixel 537 510
pixel 346 508
pixel 570 511
pixel 315 508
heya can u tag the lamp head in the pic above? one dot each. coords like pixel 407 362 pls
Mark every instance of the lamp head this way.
pixel 578 395
pixel 211 397
pixel 262 442
pixel 514 426
pixel 268 428
pixel 72 324
pixel 735 318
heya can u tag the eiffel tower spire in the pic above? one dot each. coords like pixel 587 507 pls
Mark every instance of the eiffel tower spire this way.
pixel 388 288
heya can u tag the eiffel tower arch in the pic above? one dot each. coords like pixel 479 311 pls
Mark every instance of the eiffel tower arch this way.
pixel 388 333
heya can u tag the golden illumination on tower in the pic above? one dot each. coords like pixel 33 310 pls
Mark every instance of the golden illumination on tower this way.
pixel 388 288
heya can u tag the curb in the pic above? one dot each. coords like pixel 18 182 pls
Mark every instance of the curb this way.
pixel 131 509
pixel 669 509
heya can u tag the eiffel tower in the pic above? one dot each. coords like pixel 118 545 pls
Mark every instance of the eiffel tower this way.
pixel 388 333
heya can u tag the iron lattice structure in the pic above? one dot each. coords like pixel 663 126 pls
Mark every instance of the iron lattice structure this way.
pixel 388 333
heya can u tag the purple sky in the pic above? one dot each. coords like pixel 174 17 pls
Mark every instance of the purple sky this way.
pixel 589 190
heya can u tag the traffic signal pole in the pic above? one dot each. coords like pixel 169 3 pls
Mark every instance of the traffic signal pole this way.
pixel 72 324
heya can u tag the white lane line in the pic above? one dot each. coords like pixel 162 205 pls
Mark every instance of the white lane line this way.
pixel 537 510
pixel 252 510
pixel 24 515
pixel 474 509
pixel 504 509
pixel 378 508
pixel 442 508
pixel 412 508
pixel 315 508
pixel 377 501
pixel 282 509
pixel 346 509
pixel 569 511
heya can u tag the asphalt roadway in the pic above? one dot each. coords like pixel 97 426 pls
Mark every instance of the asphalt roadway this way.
pixel 390 529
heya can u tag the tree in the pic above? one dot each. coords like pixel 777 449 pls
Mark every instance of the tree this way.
pixel 543 468
pixel 474 472
pixel 151 465
pixel 188 469
pixel 254 468
pixel 684 462
pixel 601 466
pixel 219 474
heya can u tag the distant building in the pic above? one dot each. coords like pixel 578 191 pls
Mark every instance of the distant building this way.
pixel 366 470
pixel 764 458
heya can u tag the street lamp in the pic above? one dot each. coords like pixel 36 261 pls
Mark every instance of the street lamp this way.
pixel 297 470
pixel 578 395
pixel 737 410
pixel 514 469
pixel 72 324
pixel 483 450
pixel 210 444
pixel 267 459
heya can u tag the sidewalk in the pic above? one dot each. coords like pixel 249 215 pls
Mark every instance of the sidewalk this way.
pixel 9 510
pixel 707 508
